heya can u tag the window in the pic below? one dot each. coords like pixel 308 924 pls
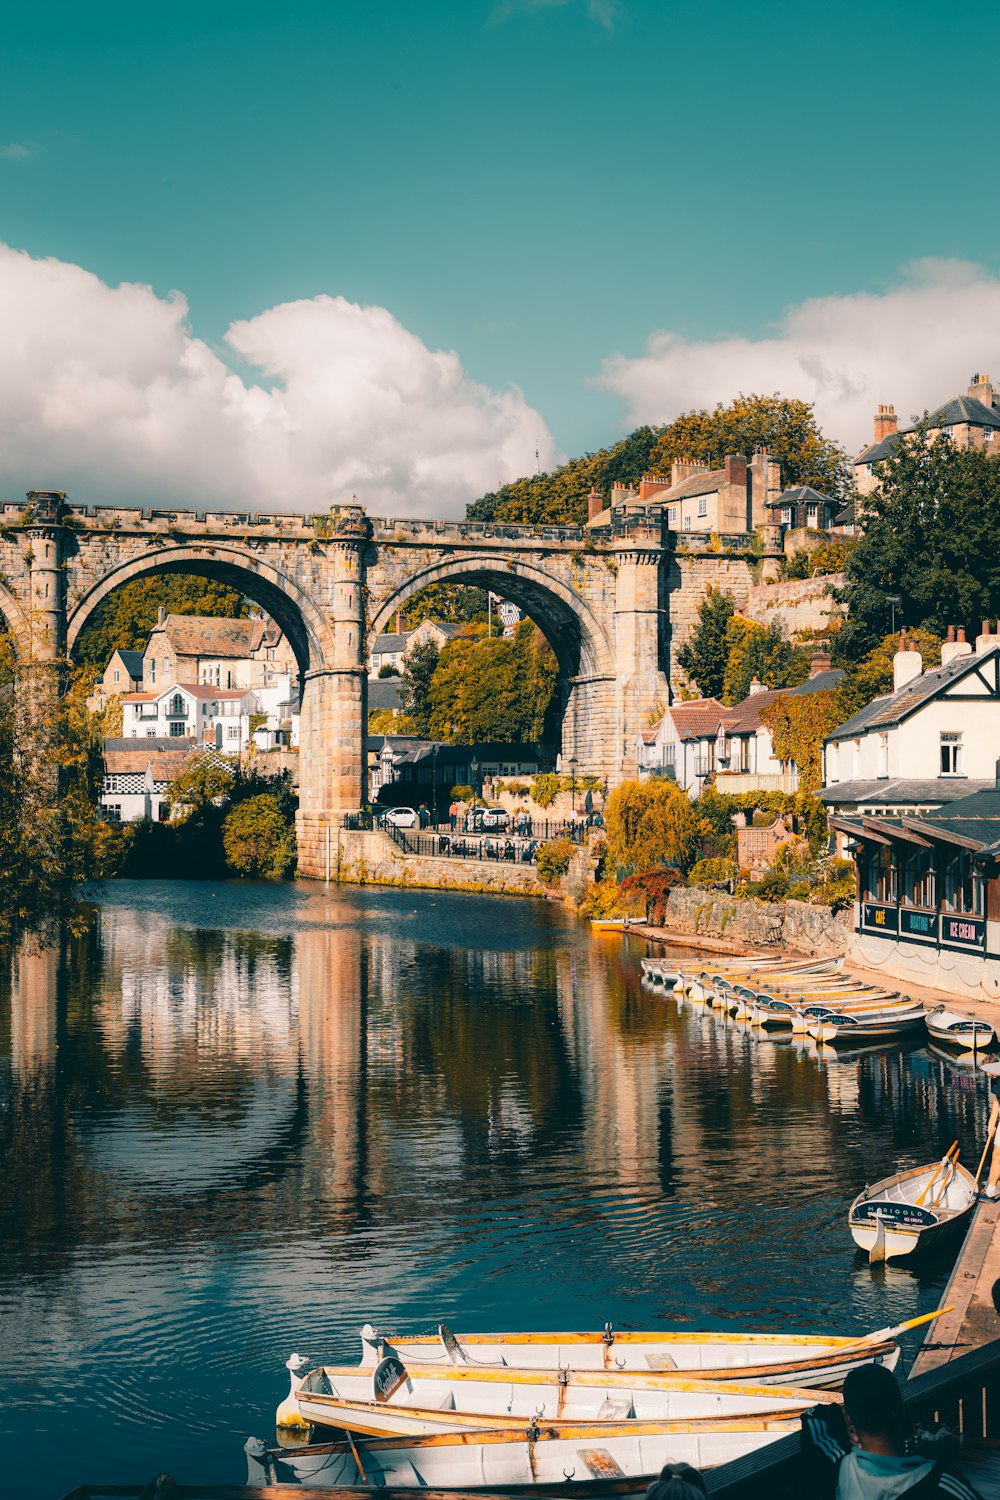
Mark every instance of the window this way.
pixel 963 889
pixel 703 505
pixel 880 876
pixel 951 755
pixel 786 515
pixel 229 679
pixel 671 515
pixel 176 731
pixel 151 733
pixel 177 705
pixel 116 675
pixel 745 753
pixel 687 523
pixel 114 812
pixel 233 732
pixel 812 515
pixel 883 756
pixel 918 879
pixel 152 670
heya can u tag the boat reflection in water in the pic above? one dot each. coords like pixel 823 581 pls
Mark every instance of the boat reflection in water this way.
pixel 242 1119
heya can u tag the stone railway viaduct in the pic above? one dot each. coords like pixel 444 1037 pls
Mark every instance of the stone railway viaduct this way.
pixel 613 601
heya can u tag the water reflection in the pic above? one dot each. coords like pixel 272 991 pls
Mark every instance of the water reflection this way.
pixel 241 1119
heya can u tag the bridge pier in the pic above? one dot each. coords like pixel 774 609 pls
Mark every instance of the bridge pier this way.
pixel 641 688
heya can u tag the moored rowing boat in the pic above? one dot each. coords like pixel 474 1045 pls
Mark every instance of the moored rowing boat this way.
pixel 765 1358
pixel 955 1028
pixel 912 1210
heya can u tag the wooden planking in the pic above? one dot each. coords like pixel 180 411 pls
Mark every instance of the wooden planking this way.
pixel 973 1320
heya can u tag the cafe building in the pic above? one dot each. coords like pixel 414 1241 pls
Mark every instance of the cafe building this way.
pixel 927 906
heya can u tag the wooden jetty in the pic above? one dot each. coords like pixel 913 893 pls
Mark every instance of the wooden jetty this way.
pixel 973 1320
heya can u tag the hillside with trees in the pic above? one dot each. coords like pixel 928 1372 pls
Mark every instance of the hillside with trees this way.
pixel 786 427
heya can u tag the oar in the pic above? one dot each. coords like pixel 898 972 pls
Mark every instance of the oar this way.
pixel 982 1159
pixel 882 1335
pixel 941 1166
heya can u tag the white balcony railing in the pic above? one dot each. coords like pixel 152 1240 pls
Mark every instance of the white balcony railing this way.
pixel 732 783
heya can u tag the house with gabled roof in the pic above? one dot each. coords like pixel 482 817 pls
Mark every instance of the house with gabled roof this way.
pixel 928 743
pixel 137 776
pixel 971 420
pixel 803 507
pixel 703 739
pixel 216 652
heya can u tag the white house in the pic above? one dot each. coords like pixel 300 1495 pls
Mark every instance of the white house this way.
pixel 136 777
pixel 929 742
pixel 217 716
pixel 703 738
pixel 393 649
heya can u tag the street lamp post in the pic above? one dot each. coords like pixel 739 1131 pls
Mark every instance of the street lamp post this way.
pixel 474 772
pixel 434 782
pixel 572 781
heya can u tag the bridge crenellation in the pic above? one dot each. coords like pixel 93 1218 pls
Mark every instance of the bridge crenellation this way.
pixel 614 600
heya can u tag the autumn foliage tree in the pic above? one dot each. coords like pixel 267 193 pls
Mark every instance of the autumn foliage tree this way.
pixel 125 618
pixel 786 427
pixel 648 824
pixel 799 723
pixel 761 652
pixel 704 655
pixel 488 689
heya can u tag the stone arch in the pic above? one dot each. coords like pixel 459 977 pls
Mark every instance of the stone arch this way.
pixel 309 632
pixel 577 637
pixel 13 617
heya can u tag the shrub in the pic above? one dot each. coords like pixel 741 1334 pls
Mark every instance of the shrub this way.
pixel 462 793
pixel 545 788
pixel 257 839
pixel 650 823
pixel 553 860
pixel 711 871
pixel 387 671
pixel 651 889
pixel 517 788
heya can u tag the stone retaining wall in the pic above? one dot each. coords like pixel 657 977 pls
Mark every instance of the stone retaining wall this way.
pixel 795 925
pixel 364 858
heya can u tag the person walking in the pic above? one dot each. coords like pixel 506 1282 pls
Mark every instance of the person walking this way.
pixel 992 1071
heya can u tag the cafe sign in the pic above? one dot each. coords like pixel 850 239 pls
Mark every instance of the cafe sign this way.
pixel 878 918
pixel 963 932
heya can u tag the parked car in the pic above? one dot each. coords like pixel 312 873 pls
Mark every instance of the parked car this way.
pixel 488 817
pixel 402 817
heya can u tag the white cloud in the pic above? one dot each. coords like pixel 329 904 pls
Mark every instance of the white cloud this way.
pixel 604 12
pixel 16 151
pixel 914 345
pixel 107 393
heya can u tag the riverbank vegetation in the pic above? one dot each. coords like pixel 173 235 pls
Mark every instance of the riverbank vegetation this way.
pixel 656 838
pixel 226 821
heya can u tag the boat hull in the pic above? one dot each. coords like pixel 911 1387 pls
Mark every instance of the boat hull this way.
pixel 597 1459
pixel 888 1222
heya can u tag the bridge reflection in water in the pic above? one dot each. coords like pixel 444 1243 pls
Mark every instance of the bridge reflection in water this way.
pixel 236 1120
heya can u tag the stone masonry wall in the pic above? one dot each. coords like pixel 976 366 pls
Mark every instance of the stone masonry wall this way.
pixel 795 925
pixel 374 859
pixel 804 604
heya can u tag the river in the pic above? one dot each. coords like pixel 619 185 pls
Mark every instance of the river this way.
pixel 238 1120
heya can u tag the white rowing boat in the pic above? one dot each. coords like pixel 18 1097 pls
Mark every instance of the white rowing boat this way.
pixel 891 1022
pixel 596 1457
pixel 417 1400
pixel 799 1013
pixel 955 1028
pixel 811 1360
pixel 702 985
pixel 913 1210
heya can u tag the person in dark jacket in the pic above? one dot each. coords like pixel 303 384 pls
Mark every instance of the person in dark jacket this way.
pixel 858 1452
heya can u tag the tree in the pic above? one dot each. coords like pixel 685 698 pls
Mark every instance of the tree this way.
pixel 125 618
pixel 456 603
pixel 419 667
pixel 257 839
pixel 650 823
pixel 786 427
pixel 705 653
pixel 759 651
pixel 207 778
pixel 493 690
pixel 560 497
pixel 931 538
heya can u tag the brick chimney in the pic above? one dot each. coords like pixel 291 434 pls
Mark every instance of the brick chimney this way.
pixel 652 484
pixel 906 664
pixel 980 389
pixel 988 637
pixel 620 493
pixel 400 622
pixel 685 468
pixel 954 645
pixel 595 503
pixel 734 469
pixel 161 615
pixel 886 422
pixel 819 663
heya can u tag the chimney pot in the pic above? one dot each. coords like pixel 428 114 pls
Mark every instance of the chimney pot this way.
pixel 951 633
pixel 595 503
pixel 161 615
pixel 961 632
pixel 886 422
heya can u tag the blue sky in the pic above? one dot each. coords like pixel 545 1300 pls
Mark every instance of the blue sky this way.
pixel 538 185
